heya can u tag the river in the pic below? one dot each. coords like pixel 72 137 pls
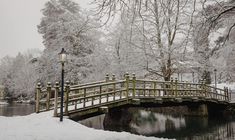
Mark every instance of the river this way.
pixel 168 126
pixel 16 109
pixel 153 124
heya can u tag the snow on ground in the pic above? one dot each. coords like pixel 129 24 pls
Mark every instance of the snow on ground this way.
pixel 44 127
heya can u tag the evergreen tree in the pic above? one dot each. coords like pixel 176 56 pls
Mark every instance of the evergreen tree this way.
pixel 65 26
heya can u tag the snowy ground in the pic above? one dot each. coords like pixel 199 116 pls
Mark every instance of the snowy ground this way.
pixel 44 127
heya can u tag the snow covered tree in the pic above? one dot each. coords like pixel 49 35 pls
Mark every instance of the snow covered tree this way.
pixel 18 75
pixel 212 45
pixel 65 26
pixel 164 25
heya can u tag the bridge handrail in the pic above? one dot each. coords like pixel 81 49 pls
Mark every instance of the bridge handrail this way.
pixel 97 85
pixel 87 84
pixel 123 89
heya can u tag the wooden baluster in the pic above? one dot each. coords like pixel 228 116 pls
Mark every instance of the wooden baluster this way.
pixel 38 93
pixel 204 89
pixel 84 100
pixel 190 90
pixel 77 91
pixel 48 95
pixel 186 89
pixel 127 85
pixel 163 89
pixel 176 87
pixel 183 88
pixel 149 89
pixel 67 90
pixel 172 87
pixel 144 88
pixel 225 93
pixel 56 99
pixel 134 85
pixel 114 87
pixel 92 98
pixel 154 88
pixel 100 95
pixel 107 87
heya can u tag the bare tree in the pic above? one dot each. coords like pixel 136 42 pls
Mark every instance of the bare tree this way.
pixel 163 24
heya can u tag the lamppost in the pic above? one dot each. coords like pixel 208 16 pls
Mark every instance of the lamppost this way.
pixel 215 70
pixel 63 58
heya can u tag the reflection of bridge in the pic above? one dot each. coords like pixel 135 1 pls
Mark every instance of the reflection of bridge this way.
pixel 99 97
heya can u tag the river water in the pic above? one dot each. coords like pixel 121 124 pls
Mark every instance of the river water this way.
pixel 16 109
pixel 153 124
pixel 167 126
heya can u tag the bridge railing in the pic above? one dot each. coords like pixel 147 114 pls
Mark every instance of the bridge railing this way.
pixel 110 90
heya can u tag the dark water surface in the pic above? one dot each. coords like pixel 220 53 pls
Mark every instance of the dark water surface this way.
pixel 182 128
pixel 16 109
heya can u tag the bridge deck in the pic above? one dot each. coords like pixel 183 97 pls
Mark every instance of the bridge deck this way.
pixel 97 97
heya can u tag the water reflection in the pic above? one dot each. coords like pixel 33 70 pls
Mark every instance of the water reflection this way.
pixel 16 109
pixel 148 123
pixel 159 125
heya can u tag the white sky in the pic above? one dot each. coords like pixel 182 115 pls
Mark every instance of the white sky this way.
pixel 18 25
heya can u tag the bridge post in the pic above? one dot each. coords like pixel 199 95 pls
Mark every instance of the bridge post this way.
pixel 38 91
pixel 107 87
pixel 127 85
pixel 176 87
pixel 107 77
pixel 186 88
pixel 114 86
pixel 155 88
pixel 203 90
pixel 226 93
pixel 172 87
pixel 48 95
pixel 134 84
pixel 56 99
pixel 67 90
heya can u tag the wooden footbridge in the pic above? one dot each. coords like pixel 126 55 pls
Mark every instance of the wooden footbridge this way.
pixel 89 99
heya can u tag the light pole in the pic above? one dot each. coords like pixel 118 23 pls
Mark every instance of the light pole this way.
pixel 215 70
pixel 63 58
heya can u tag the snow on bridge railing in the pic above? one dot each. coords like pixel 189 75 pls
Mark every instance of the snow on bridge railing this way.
pixel 110 90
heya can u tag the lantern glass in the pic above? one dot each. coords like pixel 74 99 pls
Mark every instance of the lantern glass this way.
pixel 63 56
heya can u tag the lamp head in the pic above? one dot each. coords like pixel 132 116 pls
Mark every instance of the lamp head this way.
pixel 63 56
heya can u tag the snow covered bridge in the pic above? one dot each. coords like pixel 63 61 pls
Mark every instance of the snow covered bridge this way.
pixel 86 100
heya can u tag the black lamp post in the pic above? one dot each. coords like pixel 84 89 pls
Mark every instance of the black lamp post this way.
pixel 63 57
pixel 215 70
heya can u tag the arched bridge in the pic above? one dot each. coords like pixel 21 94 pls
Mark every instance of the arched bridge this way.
pixel 86 100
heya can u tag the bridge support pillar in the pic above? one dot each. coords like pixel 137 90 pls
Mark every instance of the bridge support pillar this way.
pixel 197 110
pixel 117 117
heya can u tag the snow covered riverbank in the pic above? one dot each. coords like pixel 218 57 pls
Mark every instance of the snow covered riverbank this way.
pixel 44 127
